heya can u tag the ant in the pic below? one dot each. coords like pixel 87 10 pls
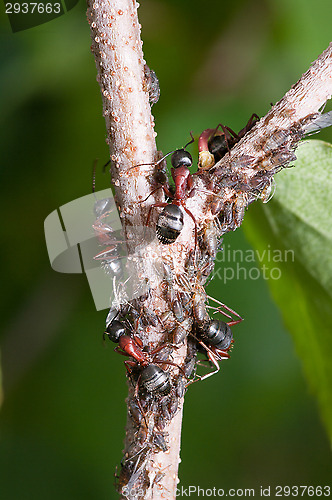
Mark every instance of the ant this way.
pixel 216 337
pixel 170 220
pixel 153 379
pixel 213 144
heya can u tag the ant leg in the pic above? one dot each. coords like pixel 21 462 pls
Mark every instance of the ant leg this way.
pixel 227 309
pixel 152 192
pixel 212 358
pixel 138 341
pixel 155 205
pixel 158 349
pixel 106 254
pixel 193 218
pixel 138 399
pixel 232 323
pixel 216 309
pixel 229 323
pixel 162 362
pixel 226 129
pixel 252 120
pixel 221 354
pixel 119 351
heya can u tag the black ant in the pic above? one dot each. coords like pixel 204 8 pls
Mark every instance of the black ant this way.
pixel 132 346
pixel 170 220
pixel 213 144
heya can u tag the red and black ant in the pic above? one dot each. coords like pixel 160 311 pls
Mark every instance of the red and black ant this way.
pixel 213 144
pixel 153 379
pixel 170 220
pixel 215 336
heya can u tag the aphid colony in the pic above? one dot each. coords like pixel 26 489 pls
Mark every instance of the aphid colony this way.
pixel 158 380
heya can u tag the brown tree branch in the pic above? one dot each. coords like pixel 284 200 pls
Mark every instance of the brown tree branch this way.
pixel 178 271
pixel 117 49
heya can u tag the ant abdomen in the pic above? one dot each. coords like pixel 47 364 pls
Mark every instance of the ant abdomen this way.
pixel 217 333
pixel 169 224
pixel 155 380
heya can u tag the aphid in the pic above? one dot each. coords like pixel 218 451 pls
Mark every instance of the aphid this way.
pixel 177 309
pixel 199 308
pixel 179 335
pixel 180 388
pixel 190 361
pixel 160 442
pixel 135 411
pixel 151 85
pixel 185 298
pixel 226 216
pixel 132 478
pixel 213 144
pixel 239 207
pixel 216 206
pixel 210 239
pixel 175 303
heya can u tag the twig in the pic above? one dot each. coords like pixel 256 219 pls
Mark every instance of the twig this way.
pixel 117 48
pixel 222 192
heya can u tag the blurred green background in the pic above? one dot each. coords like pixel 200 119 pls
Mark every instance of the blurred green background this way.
pixel 63 412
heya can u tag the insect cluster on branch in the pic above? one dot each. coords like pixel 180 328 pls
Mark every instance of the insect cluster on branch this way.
pixel 158 379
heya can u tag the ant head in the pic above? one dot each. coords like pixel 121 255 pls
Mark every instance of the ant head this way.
pixel 218 145
pixel 115 330
pixel 180 158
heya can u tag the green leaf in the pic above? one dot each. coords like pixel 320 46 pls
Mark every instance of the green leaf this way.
pixel 296 228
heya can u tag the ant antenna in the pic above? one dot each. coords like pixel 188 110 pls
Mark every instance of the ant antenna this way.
pixel 163 158
pixel 106 164
pixel 155 163
pixel 191 141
